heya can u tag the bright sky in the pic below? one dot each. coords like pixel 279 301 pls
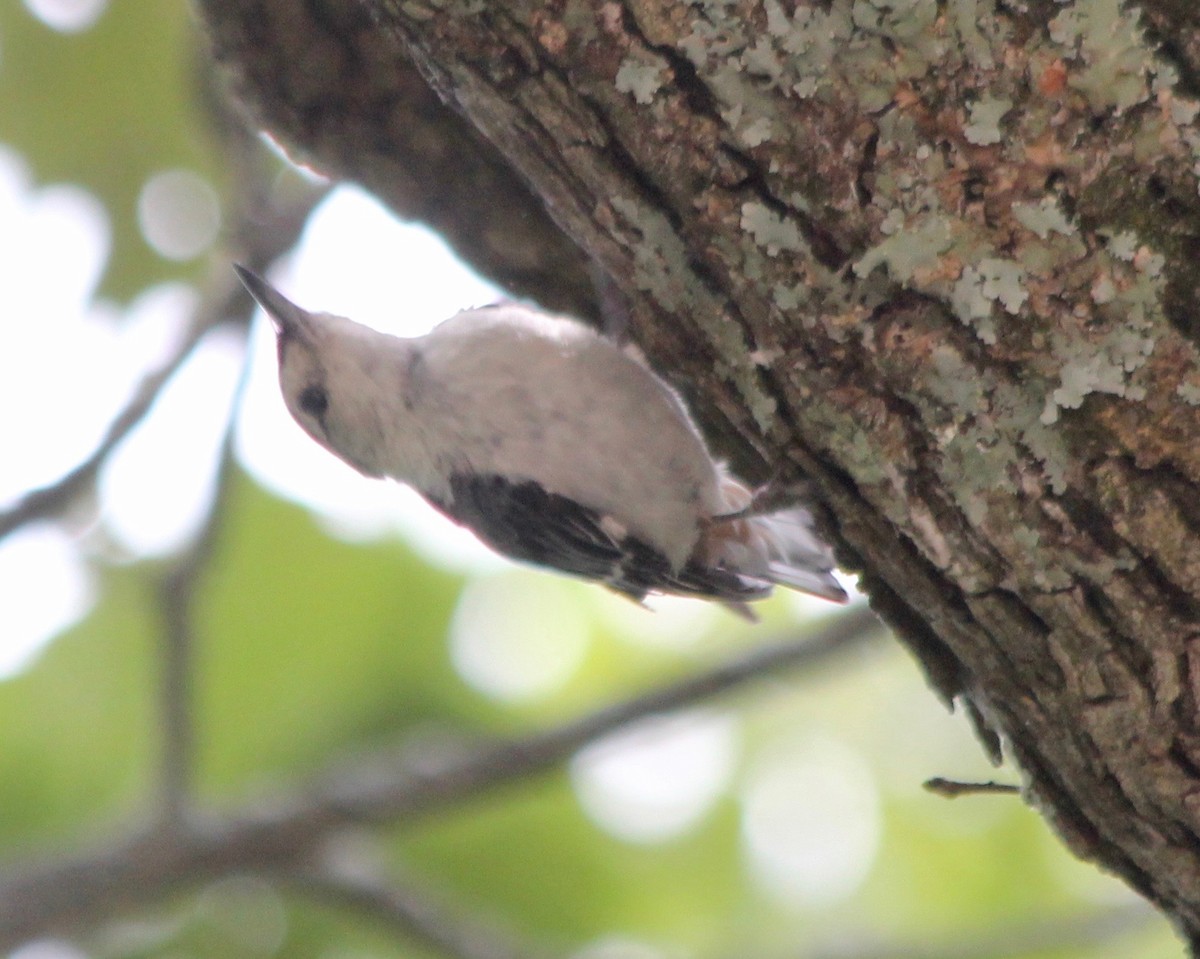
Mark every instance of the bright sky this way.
pixel 70 366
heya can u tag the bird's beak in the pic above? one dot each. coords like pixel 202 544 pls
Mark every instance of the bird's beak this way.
pixel 288 318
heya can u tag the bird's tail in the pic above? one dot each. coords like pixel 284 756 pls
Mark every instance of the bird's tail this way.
pixel 780 547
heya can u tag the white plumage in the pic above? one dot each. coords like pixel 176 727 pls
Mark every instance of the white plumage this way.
pixel 550 442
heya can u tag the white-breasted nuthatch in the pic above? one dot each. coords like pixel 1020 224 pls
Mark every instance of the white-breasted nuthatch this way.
pixel 548 441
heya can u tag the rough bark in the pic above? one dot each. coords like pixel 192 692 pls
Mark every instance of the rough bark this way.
pixel 938 258
pixel 326 83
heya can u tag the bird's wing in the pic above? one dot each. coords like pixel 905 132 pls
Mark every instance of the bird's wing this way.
pixel 526 522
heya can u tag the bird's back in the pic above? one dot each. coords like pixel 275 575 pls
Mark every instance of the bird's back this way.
pixel 542 398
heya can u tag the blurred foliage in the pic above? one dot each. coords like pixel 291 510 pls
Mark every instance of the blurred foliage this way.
pixel 311 649
pixel 302 659
pixel 79 725
pixel 106 108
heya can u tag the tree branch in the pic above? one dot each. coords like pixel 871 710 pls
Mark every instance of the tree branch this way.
pixel 267 225
pixel 54 498
pixel 141 868
pixel 176 591
pixel 430 164
pixel 953 789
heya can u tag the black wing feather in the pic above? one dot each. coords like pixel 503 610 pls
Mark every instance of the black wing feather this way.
pixel 524 521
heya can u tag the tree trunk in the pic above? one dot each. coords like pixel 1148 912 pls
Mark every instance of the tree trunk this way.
pixel 936 257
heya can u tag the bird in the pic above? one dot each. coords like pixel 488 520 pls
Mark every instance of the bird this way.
pixel 553 443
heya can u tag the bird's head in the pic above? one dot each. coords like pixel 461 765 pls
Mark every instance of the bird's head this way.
pixel 328 373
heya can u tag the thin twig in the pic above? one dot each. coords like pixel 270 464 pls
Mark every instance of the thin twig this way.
pixel 277 225
pixel 36 898
pixel 50 500
pixel 265 223
pixel 953 788
pixel 176 592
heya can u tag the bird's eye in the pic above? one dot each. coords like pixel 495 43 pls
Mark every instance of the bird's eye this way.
pixel 314 401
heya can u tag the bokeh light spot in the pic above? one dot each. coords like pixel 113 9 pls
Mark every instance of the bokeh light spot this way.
pixel 43 554
pixel 673 623
pixel 48 949
pixel 154 501
pixel 54 243
pixel 247 912
pixel 618 947
pixel 811 822
pixel 179 214
pixel 67 16
pixel 518 635
pixel 658 779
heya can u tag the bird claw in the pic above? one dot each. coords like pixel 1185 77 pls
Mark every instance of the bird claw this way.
pixel 771 497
